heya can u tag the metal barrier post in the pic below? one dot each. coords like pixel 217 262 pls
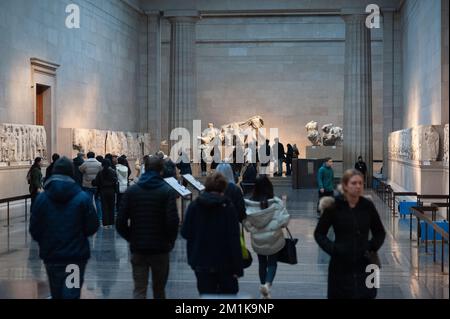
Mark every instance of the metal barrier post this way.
pixel 7 214
pixel 434 245
pixel 26 209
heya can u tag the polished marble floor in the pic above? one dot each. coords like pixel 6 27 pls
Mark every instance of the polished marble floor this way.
pixel 408 272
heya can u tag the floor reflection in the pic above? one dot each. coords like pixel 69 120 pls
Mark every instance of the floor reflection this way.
pixel 407 272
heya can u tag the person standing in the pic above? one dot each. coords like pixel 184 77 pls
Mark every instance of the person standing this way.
pixel 266 216
pixel 90 169
pixel 34 178
pixel 361 166
pixel 211 228
pixel 264 157
pixel 49 170
pixel 77 161
pixel 106 182
pixel 352 217
pixel 289 156
pixel 295 151
pixel 325 179
pixel 122 178
pixel 248 177
pixel 62 220
pixel 278 149
pixel 148 220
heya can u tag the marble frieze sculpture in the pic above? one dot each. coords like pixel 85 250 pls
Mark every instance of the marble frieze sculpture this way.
pixel 21 144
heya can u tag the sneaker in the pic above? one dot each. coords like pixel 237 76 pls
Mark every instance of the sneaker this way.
pixel 265 291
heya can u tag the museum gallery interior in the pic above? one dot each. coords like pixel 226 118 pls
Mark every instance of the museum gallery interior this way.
pixel 338 79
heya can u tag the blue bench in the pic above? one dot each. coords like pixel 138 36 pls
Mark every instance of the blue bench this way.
pixel 423 232
pixel 403 208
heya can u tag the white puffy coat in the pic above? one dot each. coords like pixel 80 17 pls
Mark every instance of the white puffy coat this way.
pixel 122 177
pixel 265 225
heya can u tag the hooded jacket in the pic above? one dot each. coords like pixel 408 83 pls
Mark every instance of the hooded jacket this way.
pixel 62 219
pixel 122 177
pixel 211 228
pixel 150 207
pixel 265 225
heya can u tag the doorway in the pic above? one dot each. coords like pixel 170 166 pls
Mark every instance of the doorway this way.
pixel 43 111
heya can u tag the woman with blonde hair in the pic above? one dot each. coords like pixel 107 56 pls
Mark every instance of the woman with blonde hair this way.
pixel 352 217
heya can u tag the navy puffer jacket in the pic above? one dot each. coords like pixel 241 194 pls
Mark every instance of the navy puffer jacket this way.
pixel 62 219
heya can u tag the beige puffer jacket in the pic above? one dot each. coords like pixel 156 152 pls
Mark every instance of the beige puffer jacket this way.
pixel 265 225
pixel 89 169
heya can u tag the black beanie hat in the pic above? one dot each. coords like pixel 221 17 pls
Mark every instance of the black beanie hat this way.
pixel 64 166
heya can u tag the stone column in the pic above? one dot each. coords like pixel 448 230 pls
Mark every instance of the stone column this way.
pixel 388 84
pixel 358 92
pixel 183 71
pixel 153 53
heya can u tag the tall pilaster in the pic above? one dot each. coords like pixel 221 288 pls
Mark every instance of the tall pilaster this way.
pixel 183 71
pixel 358 92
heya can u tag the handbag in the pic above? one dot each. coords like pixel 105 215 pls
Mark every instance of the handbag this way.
pixel 246 255
pixel 288 254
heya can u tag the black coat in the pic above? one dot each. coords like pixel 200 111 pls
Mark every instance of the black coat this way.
pixel 362 167
pixel 150 206
pixel 211 228
pixel 106 181
pixel 347 270
pixel 62 218
pixel 77 161
pixel 250 174
pixel 234 193
pixel 281 153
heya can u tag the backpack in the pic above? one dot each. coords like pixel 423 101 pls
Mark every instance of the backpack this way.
pixel 29 176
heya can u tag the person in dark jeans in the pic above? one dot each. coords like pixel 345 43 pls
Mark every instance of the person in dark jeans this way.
pixel 106 183
pixel 148 220
pixel 211 228
pixel 325 180
pixel 289 157
pixel 62 220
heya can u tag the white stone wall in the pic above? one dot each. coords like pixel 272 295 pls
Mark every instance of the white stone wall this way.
pixel 97 82
pixel 289 70
pixel 421 38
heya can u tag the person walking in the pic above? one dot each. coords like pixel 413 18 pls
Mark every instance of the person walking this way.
pixel 325 180
pixel 232 191
pixel 34 178
pixel 352 217
pixel 106 181
pixel 148 220
pixel 122 178
pixel 61 221
pixel 266 216
pixel 211 228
